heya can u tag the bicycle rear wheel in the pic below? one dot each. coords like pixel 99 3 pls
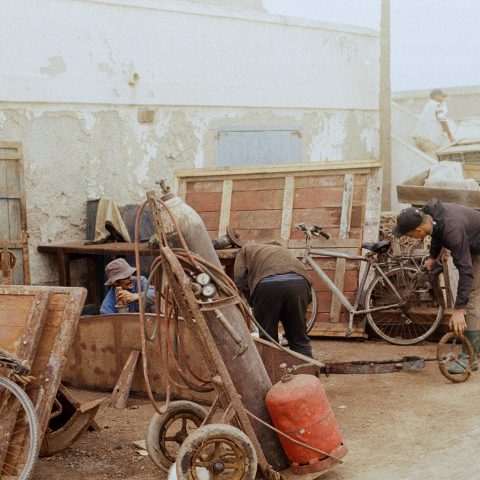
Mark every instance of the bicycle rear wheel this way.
pixel 415 319
pixel 311 312
pixel 19 432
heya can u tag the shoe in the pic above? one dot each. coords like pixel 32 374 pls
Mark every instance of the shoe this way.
pixel 462 363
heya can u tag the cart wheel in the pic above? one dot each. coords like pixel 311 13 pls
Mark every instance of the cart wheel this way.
pixel 448 354
pixel 167 432
pixel 225 451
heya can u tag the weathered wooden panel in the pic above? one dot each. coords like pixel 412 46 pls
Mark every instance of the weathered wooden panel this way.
pixel 205 201
pixel 265 234
pixel 315 181
pixel 266 202
pixel 264 183
pixel 324 217
pixel 258 219
pixel 251 200
pixel 202 186
pixel 320 197
pixel 13 217
pixel 63 310
pixel 22 316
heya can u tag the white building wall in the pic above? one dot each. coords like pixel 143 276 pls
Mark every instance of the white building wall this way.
pixel 76 73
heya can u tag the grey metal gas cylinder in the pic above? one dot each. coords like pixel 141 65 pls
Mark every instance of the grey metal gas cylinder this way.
pixel 247 370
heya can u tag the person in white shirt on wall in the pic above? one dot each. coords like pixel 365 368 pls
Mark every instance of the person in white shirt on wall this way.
pixel 432 130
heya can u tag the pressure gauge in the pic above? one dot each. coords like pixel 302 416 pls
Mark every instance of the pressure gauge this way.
pixel 202 279
pixel 209 290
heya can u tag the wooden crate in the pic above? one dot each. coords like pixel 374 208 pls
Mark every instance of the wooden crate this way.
pixel 265 203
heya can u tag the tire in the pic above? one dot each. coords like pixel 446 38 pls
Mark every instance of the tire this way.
pixel 403 325
pixel 18 410
pixel 162 450
pixel 448 355
pixel 311 311
pixel 212 447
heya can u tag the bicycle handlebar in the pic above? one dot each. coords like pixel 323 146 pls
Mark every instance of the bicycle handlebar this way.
pixel 310 230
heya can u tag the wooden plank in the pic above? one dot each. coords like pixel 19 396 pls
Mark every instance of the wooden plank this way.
pixel 253 200
pixel 205 201
pixel 321 197
pixel 225 207
pixel 13 176
pixel 272 170
pixel 259 234
pixel 259 219
pixel 182 189
pixel 347 201
pixel 202 186
pixel 114 249
pixel 419 195
pixel 13 216
pixel 325 330
pixel 334 179
pixel 15 219
pixel 323 217
pixel 121 392
pixel 211 221
pixel 287 210
pixel 255 185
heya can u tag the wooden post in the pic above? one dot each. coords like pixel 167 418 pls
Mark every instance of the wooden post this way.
pixel 119 398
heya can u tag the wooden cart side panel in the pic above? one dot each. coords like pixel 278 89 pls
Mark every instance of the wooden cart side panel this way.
pixel 63 310
pixel 22 316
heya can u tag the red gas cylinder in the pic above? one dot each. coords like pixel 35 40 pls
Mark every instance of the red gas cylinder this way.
pixel 298 406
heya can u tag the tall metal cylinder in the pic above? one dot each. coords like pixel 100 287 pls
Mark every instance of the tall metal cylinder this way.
pixel 247 371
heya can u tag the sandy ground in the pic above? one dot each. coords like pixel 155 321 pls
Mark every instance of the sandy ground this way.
pixel 398 426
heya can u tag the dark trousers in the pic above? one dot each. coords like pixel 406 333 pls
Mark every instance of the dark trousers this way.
pixel 286 302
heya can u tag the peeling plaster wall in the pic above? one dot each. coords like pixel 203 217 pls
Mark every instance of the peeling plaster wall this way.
pixel 69 93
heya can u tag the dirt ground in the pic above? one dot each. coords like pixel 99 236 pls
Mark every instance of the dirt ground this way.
pixel 397 426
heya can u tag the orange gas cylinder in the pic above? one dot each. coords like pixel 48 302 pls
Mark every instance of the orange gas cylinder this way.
pixel 298 406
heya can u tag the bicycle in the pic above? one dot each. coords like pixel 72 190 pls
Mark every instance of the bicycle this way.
pixel 19 427
pixel 399 300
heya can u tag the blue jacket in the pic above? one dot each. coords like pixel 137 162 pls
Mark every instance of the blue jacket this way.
pixel 108 304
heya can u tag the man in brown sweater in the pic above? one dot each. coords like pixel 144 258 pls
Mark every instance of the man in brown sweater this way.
pixel 457 228
pixel 277 286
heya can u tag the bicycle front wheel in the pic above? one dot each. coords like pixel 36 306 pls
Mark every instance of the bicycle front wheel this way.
pixel 418 315
pixel 19 432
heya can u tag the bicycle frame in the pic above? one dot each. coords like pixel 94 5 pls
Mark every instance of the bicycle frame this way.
pixel 308 258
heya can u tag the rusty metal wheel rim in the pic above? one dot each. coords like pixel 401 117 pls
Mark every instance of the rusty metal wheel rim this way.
pixel 177 437
pixel 230 461
pixel 450 357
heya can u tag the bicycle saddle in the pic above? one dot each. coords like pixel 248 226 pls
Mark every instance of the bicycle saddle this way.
pixel 378 247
